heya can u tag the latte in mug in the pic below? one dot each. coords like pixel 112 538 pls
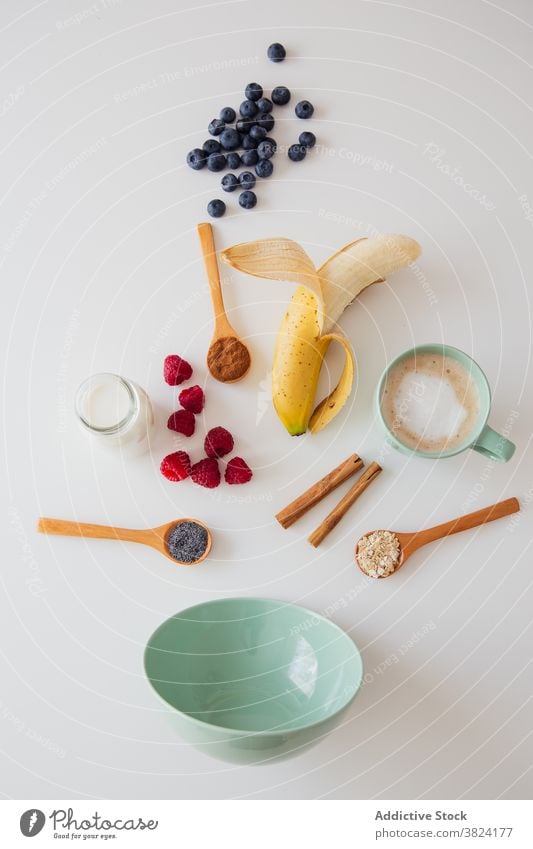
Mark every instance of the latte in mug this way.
pixel 430 402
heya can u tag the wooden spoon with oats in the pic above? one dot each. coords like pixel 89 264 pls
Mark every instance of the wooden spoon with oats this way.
pixel 380 554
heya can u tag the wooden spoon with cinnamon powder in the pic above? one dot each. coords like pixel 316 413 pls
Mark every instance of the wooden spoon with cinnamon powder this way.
pixel 228 358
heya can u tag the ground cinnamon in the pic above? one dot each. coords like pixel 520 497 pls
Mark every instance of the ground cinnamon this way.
pixel 228 359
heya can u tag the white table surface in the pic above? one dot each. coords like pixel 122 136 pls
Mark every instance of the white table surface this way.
pixel 423 111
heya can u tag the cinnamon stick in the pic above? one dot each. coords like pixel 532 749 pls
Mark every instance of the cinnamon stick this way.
pixel 297 508
pixel 333 518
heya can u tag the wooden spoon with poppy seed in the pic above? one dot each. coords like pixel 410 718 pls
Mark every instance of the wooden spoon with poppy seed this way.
pixel 228 358
pixel 159 538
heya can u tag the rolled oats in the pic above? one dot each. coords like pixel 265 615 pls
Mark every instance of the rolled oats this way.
pixel 378 553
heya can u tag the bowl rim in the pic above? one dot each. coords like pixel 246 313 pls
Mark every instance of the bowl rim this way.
pixel 246 732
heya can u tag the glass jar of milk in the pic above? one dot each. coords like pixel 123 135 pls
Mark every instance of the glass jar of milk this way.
pixel 116 412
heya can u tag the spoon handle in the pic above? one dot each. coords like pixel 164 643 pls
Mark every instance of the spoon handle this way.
pixel 82 529
pixel 207 242
pixel 464 523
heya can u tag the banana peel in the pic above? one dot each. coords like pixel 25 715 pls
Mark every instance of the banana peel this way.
pixel 310 323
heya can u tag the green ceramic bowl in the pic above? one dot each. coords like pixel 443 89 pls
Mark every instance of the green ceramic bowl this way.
pixel 251 679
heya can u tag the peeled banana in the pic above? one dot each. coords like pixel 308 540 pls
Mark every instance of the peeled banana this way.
pixel 310 323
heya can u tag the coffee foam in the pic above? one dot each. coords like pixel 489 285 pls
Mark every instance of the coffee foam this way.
pixel 430 402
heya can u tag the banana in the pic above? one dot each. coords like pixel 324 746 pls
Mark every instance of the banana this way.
pixel 310 323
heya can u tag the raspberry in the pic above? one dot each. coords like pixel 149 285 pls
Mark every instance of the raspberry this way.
pixel 176 467
pixel 237 471
pixel 182 421
pixel 206 473
pixel 176 370
pixel 192 399
pixel 218 442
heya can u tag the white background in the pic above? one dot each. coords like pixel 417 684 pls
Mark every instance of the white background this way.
pixel 101 271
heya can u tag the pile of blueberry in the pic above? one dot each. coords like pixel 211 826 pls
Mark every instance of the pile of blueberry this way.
pixel 247 144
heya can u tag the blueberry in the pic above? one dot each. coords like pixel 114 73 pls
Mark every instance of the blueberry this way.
pixel 249 143
pixel 266 121
pixel 307 139
pixel 258 132
pixel 266 148
pixel 247 200
pixel 229 182
pixel 211 146
pixel 216 126
pixel 276 52
pixel 243 125
pixel 248 109
pixel 196 159
pixel 227 115
pixel 247 180
pixel 249 158
pixel 281 95
pixel 264 104
pixel 216 161
pixel 264 168
pixel 254 91
pixel 234 160
pixel 304 109
pixel 230 139
pixel 297 152
pixel 216 208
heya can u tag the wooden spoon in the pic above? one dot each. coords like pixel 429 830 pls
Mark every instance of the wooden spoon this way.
pixel 154 537
pixel 409 543
pixel 228 358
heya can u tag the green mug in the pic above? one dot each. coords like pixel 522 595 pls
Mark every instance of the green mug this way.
pixel 482 437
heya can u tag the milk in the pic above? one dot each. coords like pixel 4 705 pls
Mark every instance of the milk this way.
pixel 107 404
pixel 116 413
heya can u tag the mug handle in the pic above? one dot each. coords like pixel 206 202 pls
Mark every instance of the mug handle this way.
pixel 493 445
